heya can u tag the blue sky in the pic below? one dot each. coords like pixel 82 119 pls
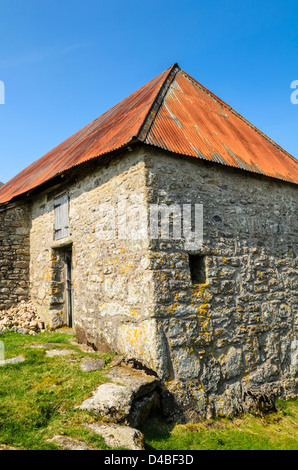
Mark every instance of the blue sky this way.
pixel 66 62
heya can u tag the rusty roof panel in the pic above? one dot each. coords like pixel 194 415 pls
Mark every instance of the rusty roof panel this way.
pixel 173 112
pixel 110 131
pixel 194 122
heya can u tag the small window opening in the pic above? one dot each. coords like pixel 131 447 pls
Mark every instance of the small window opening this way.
pixel 197 265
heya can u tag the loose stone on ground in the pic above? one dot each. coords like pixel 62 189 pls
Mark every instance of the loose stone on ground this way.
pixel 70 443
pixel 92 365
pixel 4 447
pixel 119 436
pixel 59 352
pixel 13 360
pixel 22 319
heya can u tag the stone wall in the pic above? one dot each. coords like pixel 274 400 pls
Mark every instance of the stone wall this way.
pixel 14 255
pixel 221 346
pixel 113 289
pixel 230 339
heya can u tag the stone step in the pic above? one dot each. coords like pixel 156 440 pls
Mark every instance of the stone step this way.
pixel 128 398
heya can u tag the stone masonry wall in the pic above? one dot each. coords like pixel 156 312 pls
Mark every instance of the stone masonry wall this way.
pixel 14 255
pixel 231 340
pixel 222 346
pixel 113 290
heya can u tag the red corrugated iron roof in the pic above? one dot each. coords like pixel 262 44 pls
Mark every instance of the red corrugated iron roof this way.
pixel 173 112
pixel 112 130
pixel 193 121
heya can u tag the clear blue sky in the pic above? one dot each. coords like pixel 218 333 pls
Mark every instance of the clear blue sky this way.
pixel 66 62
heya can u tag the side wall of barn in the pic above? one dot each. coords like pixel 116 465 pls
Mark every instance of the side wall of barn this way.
pixel 232 335
pixel 14 255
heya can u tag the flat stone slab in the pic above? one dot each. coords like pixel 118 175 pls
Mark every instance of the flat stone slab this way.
pixel 59 352
pixel 138 381
pixel 4 447
pixel 13 360
pixel 92 365
pixel 70 443
pixel 128 399
pixel 119 436
pixel 111 401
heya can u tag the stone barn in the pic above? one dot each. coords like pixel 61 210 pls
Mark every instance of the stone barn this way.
pixel 215 318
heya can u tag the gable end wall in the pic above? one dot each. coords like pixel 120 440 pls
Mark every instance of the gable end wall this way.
pixel 232 339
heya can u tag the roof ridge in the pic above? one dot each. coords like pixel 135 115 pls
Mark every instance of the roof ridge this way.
pixel 226 105
pixel 157 103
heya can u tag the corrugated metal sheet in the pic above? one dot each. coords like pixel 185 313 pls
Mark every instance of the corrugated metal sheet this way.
pixel 110 131
pixel 173 112
pixel 193 121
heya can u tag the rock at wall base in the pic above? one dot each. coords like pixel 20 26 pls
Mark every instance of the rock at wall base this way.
pixel 129 403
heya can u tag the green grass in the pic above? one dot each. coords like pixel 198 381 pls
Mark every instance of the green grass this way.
pixel 274 431
pixel 38 396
